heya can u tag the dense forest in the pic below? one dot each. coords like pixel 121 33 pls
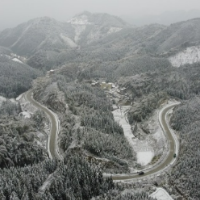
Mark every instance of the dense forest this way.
pixel 25 165
pixel 28 174
pixel 185 175
pixel 87 120
pixel 136 60
pixel 15 78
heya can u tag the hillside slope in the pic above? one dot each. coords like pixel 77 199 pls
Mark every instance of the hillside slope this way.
pixel 15 77
pixel 176 36
pixel 48 34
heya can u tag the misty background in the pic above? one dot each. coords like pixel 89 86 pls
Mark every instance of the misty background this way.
pixel 136 12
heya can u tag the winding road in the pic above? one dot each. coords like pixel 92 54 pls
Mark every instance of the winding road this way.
pixel 169 159
pixel 52 140
pixel 53 149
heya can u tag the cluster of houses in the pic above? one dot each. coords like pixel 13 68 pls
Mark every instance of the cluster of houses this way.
pixel 118 94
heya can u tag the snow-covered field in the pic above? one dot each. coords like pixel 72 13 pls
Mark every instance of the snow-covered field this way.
pixel 189 56
pixel 120 117
pixel 145 158
pixel 143 149
pixel 161 194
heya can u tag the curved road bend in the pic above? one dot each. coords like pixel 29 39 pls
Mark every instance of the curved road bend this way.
pixel 169 157
pixel 52 140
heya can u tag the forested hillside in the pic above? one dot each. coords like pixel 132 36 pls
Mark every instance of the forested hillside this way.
pixel 100 64
pixel 185 175
pixel 175 37
pixel 15 77
pixel 86 118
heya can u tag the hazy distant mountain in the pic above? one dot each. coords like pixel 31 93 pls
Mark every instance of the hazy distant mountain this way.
pixel 165 18
pixel 15 76
pixel 47 43
pixel 41 33
pixel 91 27
pixel 176 37
pixel 48 34
pixel 127 42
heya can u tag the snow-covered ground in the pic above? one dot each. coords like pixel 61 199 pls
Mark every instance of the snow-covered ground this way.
pixel 114 30
pixel 79 29
pixel 161 194
pixel 68 41
pixel 154 143
pixel 79 20
pixel 17 60
pixel 25 114
pixel 27 111
pixel 189 56
pixel 25 105
pixel 144 158
pixel 143 148
pixel 120 117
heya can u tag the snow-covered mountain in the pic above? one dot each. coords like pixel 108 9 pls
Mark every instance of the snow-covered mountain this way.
pixel 41 33
pixel 90 27
pixel 176 36
pixel 189 56
pixel 48 34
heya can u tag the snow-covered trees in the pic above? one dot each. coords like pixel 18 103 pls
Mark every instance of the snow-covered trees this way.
pixel 185 175
pixel 15 78
pixel 74 179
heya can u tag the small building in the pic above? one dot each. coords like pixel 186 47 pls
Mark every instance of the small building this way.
pixel 95 84
pixel 51 71
pixel 106 86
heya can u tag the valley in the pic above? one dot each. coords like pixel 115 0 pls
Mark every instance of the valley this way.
pixel 99 102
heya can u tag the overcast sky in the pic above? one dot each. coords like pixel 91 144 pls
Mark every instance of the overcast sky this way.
pixel 13 12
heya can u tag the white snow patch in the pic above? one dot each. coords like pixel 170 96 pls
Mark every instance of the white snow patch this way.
pixel 189 56
pixel 79 20
pixel 161 194
pixel 25 114
pixel 20 37
pixel 144 151
pixel 17 60
pixel 78 30
pixel 114 30
pixel 120 117
pixel 68 41
pixel 144 158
